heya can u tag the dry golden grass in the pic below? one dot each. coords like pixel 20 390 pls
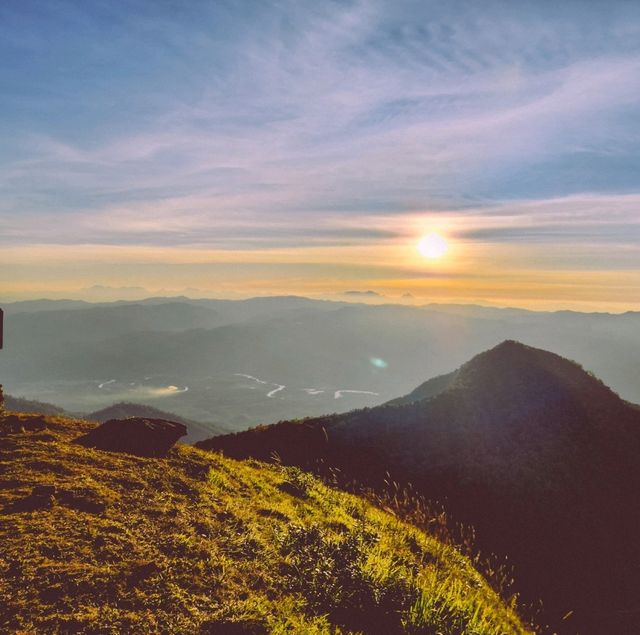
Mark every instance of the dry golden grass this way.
pixel 199 543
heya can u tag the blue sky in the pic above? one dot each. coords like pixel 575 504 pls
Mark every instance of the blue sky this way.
pixel 196 134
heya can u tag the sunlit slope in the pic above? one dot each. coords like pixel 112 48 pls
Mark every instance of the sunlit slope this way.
pixel 532 450
pixel 197 543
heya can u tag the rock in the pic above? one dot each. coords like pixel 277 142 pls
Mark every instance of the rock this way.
pixel 14 424
pixel 82 499
pixel 42 497
pixel 293 490
pixel 237 627
pixel 44 491
pixel 136 435
pixel 141 571
pixel 44 437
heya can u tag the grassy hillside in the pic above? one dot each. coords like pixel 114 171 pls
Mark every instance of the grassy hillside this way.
pixel 97 542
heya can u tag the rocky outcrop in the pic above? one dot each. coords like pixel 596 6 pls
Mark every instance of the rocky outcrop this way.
pixel 44 497
pixel 15 424
pixel 136 435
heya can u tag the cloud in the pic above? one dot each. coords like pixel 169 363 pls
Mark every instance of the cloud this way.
pixel 304 112
pixel 369 294
pixel 321 132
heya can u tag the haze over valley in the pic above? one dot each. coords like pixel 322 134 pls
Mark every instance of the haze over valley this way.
pixel 235 364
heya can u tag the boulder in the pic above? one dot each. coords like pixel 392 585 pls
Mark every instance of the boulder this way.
pixel 136 435
pixel 247 626
pixel 83 499
pixel 42 497
pixel 15 424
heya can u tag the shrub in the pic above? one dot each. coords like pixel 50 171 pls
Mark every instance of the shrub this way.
pixel 342 579
pixel 297 483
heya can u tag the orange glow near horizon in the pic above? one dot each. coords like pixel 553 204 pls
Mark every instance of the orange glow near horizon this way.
pixel 470 271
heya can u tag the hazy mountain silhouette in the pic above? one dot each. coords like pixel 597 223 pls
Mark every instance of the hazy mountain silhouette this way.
pixel 62 352
pixel 539 455
pixel 429 388
pixel 18 404
pixel 36 306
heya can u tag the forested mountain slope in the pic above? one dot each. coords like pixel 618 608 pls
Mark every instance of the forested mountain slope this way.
pixel 539 455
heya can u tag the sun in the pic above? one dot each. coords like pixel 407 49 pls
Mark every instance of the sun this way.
pixel 433 246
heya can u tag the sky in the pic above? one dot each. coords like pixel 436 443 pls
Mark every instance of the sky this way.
pixel 238 148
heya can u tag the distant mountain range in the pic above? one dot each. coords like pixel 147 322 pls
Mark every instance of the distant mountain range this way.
pixel 538 454
pixel 18 404
pixel 85 357
pixel 196 430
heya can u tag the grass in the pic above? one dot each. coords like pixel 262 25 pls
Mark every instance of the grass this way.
pixel 200 543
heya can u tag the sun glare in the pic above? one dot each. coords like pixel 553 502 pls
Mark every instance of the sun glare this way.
pixel 433 246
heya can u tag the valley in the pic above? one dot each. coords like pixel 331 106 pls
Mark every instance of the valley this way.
pixel 205 359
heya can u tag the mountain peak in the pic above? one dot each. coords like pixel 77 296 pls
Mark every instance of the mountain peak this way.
pixel 512 350
pixel 509 353
pixel 514 373
pixel 512 346
pixel 513 369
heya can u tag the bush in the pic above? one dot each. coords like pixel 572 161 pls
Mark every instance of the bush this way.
pixel 338 578
pixel 297 483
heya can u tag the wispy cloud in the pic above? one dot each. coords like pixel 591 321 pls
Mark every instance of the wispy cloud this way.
pixel 299 124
